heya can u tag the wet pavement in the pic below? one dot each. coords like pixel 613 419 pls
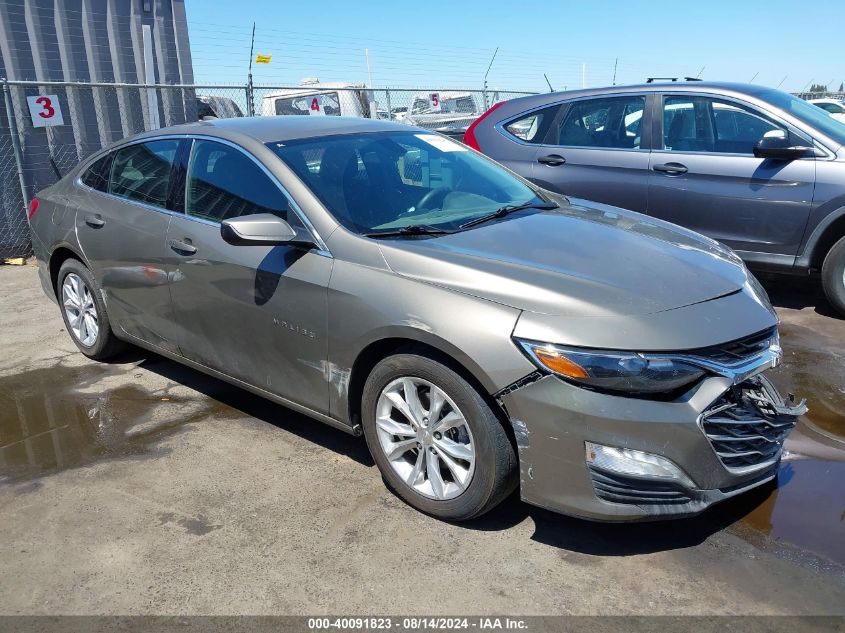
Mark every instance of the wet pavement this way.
pixel 64 421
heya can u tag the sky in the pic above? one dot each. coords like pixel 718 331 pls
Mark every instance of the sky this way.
pixel 440 44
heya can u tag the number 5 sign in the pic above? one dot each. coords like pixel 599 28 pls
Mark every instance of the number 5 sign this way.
pixel 45 110
pixel 434 101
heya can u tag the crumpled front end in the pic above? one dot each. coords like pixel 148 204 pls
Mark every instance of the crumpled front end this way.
pixel 617 458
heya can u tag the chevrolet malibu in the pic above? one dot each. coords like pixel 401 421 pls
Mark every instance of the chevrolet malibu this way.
pixel 481 333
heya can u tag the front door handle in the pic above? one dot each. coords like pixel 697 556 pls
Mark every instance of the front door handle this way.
pixel 552 160
pixel 183 247
pixel 95 221
pixel 672 169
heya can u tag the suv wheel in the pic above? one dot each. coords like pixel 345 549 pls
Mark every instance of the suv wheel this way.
pixel 84 312
pixel 833 276
pixel 436 441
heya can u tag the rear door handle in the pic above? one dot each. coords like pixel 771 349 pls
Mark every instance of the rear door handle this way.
pixel 95 221
pixel 552 160
pixel 672 169
pixel 183 247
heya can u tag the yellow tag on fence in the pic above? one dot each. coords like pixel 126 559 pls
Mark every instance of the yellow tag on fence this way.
pixel 263 59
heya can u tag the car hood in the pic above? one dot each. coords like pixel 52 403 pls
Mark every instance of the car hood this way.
pixel 578 260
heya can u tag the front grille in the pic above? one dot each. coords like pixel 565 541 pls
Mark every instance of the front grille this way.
pixel 623 489
pixel 748 424
pixel 734 351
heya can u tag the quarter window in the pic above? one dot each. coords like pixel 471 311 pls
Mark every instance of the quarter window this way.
pixel 143 171
pixel 224 183
pixel 703 124
pixel 532 128
pixel 97 175
pixel 612 123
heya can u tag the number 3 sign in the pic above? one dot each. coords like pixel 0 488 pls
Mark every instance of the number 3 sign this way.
pixel 45 110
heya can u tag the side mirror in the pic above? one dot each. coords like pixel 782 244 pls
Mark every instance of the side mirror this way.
pixel 776 144
pixel 261 229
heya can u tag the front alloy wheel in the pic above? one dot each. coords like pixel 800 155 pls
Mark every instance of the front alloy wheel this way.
pixel 425 437
pixel 80 310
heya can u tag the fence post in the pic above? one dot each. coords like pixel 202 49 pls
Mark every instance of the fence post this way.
pixel 250 104
pixel 16 145
pixel 389 109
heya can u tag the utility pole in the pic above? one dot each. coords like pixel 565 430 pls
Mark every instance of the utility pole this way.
pixel 250 102
pixel 615 65
pixel 486 105
pixel 372 95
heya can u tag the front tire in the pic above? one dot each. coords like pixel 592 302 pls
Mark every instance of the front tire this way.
pixel 833 276
pixel 84 312
pixel 436 441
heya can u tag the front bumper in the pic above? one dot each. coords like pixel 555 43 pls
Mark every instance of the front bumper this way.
pixel 553 419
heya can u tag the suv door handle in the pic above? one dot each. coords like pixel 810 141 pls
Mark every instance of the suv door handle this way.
pixel 95 221
pixel 672 169
pixel 183 248
pixel 552 160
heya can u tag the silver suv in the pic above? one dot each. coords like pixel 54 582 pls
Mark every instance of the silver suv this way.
pixel 482 334
pixel 757 169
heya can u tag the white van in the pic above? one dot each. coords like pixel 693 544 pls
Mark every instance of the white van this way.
pixel 315 98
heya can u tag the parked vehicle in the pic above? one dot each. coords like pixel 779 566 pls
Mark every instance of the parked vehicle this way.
pixel 481 333
pixel 316 98
pixel 209 106
pixel 834 107
pixel 757 169
pixel 441 110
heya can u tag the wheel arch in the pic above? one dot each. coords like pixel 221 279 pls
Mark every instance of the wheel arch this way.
pixel 59 256
pixel 829 231
pixel 430 346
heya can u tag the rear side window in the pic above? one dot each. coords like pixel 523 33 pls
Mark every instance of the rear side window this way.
pixel 608 122
pixel 224 183
pixel 327 103
pixel 143 172
pixel 533 127
pixel 97 174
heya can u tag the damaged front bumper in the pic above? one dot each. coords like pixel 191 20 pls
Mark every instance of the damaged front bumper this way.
pixel 725 437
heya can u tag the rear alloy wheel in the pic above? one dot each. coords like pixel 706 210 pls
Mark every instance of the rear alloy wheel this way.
pixel 833 276
pixel 435 439
pixel 80 310
pixel 84 312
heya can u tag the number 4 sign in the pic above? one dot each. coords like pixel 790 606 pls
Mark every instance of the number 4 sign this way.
pixel 316 107
pixel 45 110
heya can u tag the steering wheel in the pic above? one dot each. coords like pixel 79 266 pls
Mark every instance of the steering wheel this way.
pixel 437 195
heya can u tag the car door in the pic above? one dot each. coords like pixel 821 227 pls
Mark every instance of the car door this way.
pixel 597 149
pixel 255 313
pixel 122 214
pixel 705 176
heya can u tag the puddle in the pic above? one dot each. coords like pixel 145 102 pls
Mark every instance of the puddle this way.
pixel 52 419
pixel 806 507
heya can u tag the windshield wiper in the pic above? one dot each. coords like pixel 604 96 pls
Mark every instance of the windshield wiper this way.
pixel 414 229
pixel 505 210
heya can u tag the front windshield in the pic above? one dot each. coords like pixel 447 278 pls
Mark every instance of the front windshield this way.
pixel 390 180
pixel 808 113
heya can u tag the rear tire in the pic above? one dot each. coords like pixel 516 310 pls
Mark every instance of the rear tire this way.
pixel 464 444
pixel 833 276
pixel 84 312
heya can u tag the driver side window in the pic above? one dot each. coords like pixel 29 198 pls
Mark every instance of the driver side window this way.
pixel 704 124
pixel 224 183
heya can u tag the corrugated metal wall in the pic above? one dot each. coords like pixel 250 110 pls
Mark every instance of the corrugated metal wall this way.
pixel 84 41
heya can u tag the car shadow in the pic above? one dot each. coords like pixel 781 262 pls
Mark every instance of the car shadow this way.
pixel 556 530
pixel 797 293
pixel 620 539
pixel 230 397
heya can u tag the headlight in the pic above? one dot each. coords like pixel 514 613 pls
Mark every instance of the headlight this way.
pixel 628 373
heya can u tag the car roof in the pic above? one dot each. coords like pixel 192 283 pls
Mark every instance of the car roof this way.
pixel 268 129
pixel 672 86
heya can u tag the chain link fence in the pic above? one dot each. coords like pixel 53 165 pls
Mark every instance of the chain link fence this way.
pixel 96 115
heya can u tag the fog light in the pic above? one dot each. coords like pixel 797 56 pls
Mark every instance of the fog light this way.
pixel 626 461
